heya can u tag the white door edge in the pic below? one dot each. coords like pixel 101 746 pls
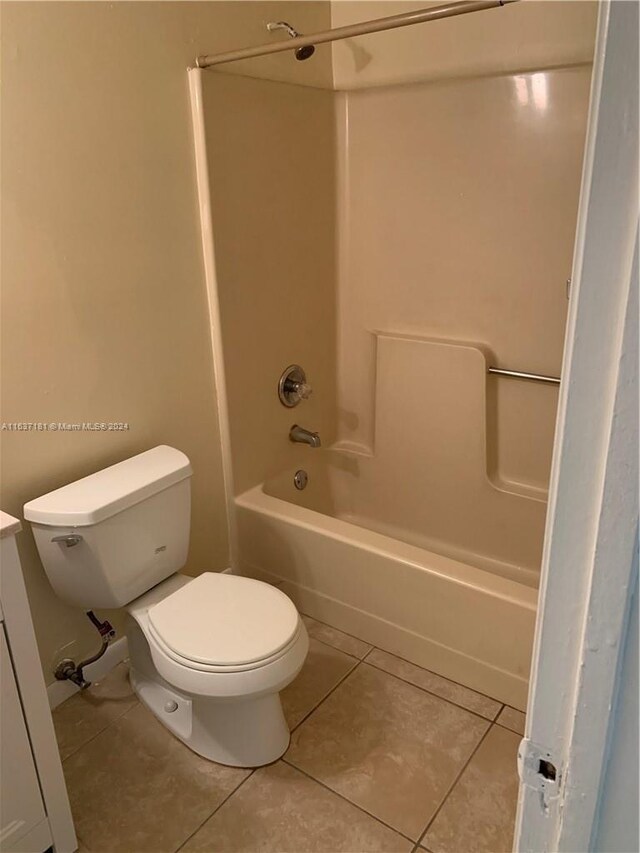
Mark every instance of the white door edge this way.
pixel 591 530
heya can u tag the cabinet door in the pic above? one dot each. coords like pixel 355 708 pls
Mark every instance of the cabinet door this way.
pixel 21 805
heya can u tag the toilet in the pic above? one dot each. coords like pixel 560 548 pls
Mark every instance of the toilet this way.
pixel 208 655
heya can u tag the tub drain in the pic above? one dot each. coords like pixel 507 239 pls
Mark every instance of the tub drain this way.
pixel 300 479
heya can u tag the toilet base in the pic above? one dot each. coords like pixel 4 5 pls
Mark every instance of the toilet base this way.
pixel 238 733
pixel 247 731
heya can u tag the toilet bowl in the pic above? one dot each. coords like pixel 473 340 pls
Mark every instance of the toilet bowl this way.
pixel 208 654
pixel 217 690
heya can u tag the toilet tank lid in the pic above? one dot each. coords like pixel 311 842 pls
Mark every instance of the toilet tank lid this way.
pixel 103 494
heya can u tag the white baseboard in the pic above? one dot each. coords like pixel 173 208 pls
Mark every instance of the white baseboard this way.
pixel 61 690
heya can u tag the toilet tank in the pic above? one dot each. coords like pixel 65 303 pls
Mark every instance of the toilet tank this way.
pixel 108 538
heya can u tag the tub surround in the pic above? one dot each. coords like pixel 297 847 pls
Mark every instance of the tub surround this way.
pixel 271 166
pixel 469 241
pixel 426 479
pixel 525 36
pixel 403 238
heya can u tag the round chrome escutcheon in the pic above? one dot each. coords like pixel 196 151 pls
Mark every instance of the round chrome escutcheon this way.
pixel 300 479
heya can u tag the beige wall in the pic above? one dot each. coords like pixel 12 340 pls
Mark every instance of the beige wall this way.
pixel 271 154
pixel 103 301
pixel 529 35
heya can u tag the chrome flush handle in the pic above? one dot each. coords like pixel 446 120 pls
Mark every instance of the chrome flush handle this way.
pixel 69 539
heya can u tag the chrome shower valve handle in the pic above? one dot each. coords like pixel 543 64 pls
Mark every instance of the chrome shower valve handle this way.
pixel 293 386
pixel 302 389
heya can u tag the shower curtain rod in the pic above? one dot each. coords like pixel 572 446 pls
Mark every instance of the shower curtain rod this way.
pixel 420 16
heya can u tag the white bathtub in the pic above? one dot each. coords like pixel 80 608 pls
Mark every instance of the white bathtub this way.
pixel 462 621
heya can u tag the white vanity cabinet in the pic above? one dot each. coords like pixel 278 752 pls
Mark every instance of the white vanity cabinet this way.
pixel 34 807
pixel 21 808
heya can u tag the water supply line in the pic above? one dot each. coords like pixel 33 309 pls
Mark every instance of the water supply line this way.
pixel 69 670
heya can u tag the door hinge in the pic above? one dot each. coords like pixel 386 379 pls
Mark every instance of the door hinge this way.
pixel 539 769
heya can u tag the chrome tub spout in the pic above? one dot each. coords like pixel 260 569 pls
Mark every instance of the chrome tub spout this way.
pixel 299 435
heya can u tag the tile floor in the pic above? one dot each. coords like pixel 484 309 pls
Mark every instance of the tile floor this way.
pixel 384 756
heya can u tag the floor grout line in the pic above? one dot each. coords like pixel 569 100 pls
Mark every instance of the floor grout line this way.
pixel 217 808
pixel 81 842
pixel 490 722
pixel 326 696
pixel 453 784
pixel 346 633
pixel 431 672
pixel 365 659
pixel 97 734
pixel 346 799
pixel 507 729
pixel 237 788
pixel 500 710
pixel 431 693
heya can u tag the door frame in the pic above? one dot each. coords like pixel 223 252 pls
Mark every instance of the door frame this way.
pixel 588 569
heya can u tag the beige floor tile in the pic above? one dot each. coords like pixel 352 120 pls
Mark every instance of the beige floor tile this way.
pixel 449 690
pixel 86 714
pixel 387 746
pixel 337 639
pixel 478 816
pixel 279 810
pixel 135 787
pixel 512 719
pixel 322 670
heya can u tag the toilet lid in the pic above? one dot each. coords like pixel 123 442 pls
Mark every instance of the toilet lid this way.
pixel 225 620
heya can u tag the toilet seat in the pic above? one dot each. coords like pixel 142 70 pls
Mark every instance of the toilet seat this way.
pixel 224 623
pixel 215 682
pixel 204 667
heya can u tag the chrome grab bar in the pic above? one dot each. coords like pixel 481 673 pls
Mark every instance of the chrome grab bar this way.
pixel 519 374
